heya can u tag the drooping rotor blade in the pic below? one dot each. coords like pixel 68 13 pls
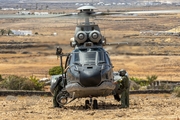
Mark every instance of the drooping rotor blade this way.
pixel 5 16
pixel 117 43
pixel 135 12
pixel 154 11
pixel 85 11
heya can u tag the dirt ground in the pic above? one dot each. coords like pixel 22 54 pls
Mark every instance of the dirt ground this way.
pixel 143 56
pixel 142 107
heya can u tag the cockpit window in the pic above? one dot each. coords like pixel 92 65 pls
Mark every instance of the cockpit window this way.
pixel 88 56
pixel 101 56
pixel 76 56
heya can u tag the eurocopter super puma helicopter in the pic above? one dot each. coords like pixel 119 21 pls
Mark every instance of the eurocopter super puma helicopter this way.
pixel 89 71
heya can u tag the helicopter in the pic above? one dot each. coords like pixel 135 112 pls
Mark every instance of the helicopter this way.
pixel 88 68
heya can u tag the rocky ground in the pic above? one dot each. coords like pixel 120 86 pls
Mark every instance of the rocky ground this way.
pixel 142 107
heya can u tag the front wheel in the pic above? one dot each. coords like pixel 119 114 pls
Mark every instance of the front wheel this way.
pixel 62 98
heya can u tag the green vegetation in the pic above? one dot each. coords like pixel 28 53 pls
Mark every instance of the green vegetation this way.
pixel 14 82
pixel 9 32
pixel 1 78
pixel 139 81
pixel 3 31
pixel 151 79
pixel 143 83
pixel 177 91
pixel 148 81
pixel 55 70
pixel 37 85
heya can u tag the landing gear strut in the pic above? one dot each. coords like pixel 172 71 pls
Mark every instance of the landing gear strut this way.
pixel 92 104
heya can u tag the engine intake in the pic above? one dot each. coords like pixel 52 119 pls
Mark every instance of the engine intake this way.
pixel 95 36
pixel 81 37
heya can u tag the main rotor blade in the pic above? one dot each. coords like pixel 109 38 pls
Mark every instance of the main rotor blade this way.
pixel 5 16
pixel 82 15
pixel 154 11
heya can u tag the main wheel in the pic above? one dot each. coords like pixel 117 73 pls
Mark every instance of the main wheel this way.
pixel 95 104
pixel 116 97
pixel 87 105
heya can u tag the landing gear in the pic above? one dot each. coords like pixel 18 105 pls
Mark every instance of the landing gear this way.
pixel 92 104
pixel 95 104
pixel 87 104
pixel 62 98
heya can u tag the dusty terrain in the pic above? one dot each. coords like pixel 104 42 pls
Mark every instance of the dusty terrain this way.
pixel 144 55
pixel 142 107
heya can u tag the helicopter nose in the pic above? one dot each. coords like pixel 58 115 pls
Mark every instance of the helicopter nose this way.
pixel 90 78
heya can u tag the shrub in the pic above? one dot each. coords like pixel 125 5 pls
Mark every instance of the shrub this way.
pixel 37 85
pixel 27 85
pixel 1 78
pixel 165 86
pixel 151 79
pixel 14 82
pixel 177 91
pixel 139 81
pixel 55 70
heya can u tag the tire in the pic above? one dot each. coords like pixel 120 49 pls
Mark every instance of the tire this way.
pixel 87 104
pixel 95 104
pixel 116 97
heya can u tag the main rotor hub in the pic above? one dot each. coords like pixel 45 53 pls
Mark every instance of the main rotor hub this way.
pixel 88 10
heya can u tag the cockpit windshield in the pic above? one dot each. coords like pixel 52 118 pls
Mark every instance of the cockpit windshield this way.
pixel 88 56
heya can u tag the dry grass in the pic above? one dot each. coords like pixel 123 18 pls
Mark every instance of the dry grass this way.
pixel 38 60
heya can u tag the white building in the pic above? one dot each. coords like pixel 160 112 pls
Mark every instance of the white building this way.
pixel 24 13
pixel 11 9
pixel 22 32
pixel 41 13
